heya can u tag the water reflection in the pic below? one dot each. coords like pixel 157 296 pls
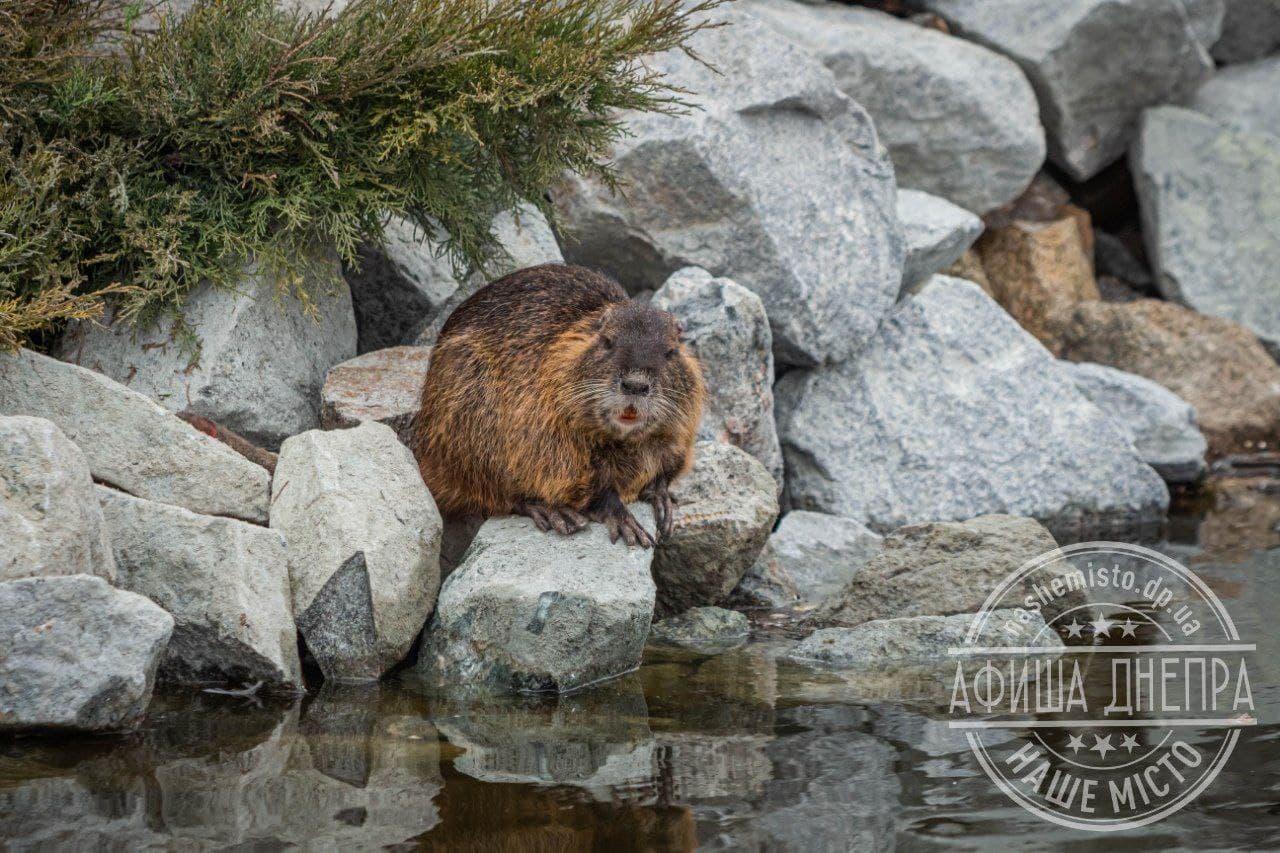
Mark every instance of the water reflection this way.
pixel 737 751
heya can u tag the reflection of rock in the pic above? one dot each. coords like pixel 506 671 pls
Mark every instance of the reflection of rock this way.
pixel 597 739
pixel 732 694
pixel 212 774
pixel 703 767
pixel 833 787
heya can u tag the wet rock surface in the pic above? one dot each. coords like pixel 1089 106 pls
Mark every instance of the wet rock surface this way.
pixel 257 359
pixel 726 327
pixel 777 181
pixel 76 654
pixel 885 642
pixel 363 538
pixel 50 521
pixel 130 442
pixel 954 411
pixel 707 630
pixel 225 582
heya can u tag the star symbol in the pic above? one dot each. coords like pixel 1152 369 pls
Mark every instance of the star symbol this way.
pixel 1074 629
pixel 1129 743
pixel 1075 743
pixel 1101 626
pixel 1128 628
pixel 1102 745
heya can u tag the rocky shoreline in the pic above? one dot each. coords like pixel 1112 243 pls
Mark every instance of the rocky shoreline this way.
pixel 927 360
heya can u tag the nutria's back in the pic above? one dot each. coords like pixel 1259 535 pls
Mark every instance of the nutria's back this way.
pixel 550 385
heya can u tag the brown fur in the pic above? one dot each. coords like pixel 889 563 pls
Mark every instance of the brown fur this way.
pixel 510 412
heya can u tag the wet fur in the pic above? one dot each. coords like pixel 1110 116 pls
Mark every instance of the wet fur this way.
pixel 506 415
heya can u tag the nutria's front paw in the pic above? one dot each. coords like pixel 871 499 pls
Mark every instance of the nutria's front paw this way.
pixel 664 508
pixel 561 519
pixel 621 524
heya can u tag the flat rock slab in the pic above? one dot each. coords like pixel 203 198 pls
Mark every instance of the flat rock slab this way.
pixel 776 180
pixel 1217 366
pixel 960 121
pixel 936 233
pixel 1210 201
pixel 534 612
pixel 939 569
pixel 1162 425
pixel 821 553
pixel 262 353
pixel 726 327
pixel 50 521
pixel 917 639
pixel 76 653
pixel 225 582
pixel 1094 64
pixel 364 546
pixel 954 411
pixel 725 507
pixel 384 386
pixel 132 443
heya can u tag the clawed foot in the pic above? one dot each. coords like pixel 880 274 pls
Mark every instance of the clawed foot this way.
pixel 621 524
pixel 561 519
pixel 664 508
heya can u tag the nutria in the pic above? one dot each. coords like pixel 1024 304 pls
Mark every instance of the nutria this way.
pixel 552 394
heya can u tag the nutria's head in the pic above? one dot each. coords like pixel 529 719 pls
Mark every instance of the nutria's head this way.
pixel 636 375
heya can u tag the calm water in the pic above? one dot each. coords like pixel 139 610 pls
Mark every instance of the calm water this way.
pixel 735 752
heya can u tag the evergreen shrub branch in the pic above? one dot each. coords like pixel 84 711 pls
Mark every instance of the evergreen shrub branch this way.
pixel 141 162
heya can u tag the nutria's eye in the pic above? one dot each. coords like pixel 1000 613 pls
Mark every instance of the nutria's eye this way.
pixel 606 343
pixel 671 353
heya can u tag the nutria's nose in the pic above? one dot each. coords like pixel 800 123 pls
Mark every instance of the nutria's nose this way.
pixel 637 387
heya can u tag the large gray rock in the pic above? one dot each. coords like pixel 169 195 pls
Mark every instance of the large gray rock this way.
pixel 1095 64
pixel 406 282
pixel 960 121
pixel 765 585
pixel 258 362
pixel 383 386
pixel 1250 30
pixel 725 507
pixel 938 569
pixel 936 233
pixel 532 612
pixel 919 638
pixel 1243 96
pixel 130 442
pixel 363 539
pixel 50 521
pixel 1210 201
pixel 225 582
pixel 776 180
pixel 1161 424
pixel 820 553
pixel 725 325
pixel 76 654
pixel 953 411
